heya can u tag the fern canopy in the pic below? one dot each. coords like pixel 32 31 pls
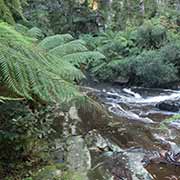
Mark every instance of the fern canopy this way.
pixel 46 71
pixel 29 72
pixel 72 51
pixel 36 33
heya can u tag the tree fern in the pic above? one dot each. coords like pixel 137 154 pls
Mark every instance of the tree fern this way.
pixel 83 57
pixel 34 79
pixel 74 52
pixel 9 35
pixel 29 72
pixel 46 71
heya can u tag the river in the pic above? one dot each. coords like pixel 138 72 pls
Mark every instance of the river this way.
pixel 132 142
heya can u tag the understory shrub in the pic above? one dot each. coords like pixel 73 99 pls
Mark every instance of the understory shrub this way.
pixel 151 36
pixel 148 55
pixel 151 70
pixel 147 69
pixel 25 137
pixel 171 54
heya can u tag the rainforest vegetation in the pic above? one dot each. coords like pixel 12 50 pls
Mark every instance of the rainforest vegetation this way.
pixel 50 49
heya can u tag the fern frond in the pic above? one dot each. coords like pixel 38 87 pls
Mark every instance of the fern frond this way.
pixel 54 41
pixel 59 67
pixel 83 57
pixel 35 33
pixel 30 72
pixel 3 99
pixel 8 34
pixel 69 48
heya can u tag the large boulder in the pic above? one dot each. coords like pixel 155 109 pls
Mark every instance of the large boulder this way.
pixel 122 165
pixel 112 162
pixel 168 106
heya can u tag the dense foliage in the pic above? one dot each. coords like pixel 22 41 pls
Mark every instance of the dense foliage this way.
pixel 132 42
pixel 29 71
pixel 147 55
pixel 35 71
pixel 25 137
pixel 11 11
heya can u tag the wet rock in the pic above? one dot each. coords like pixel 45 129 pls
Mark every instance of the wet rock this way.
pixel 96 142
pixel 112 162
pixel 175 124
pixel 136 166
pixel 78 156
pixel 125 165
pixel 118 167
pixel 129 115
pixel 168 106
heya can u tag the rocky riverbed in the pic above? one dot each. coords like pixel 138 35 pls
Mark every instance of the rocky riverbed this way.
pixel 133 141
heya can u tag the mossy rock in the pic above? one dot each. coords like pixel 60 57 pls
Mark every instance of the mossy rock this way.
pixel 51 172
pixel 169 120
pixel 58 172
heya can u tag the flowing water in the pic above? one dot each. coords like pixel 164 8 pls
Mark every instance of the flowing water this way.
pixel 133 135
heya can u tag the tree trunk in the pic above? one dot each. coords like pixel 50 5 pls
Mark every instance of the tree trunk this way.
pixel 142 9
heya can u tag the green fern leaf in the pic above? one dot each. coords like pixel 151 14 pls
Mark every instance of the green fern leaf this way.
pixel 54 41
pixel 69 48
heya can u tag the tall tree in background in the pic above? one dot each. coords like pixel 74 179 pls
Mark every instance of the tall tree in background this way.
pixel 133 12
pixel 62 16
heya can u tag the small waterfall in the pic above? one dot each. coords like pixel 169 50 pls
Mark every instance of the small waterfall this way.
pixel 138 103
pixel 129 96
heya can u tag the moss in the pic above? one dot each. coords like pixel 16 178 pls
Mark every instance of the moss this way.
pixel 164 123
pixel 53 172
pixel 58 172
pixel 174 118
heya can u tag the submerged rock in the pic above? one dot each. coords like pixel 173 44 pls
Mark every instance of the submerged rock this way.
pixel 168 106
